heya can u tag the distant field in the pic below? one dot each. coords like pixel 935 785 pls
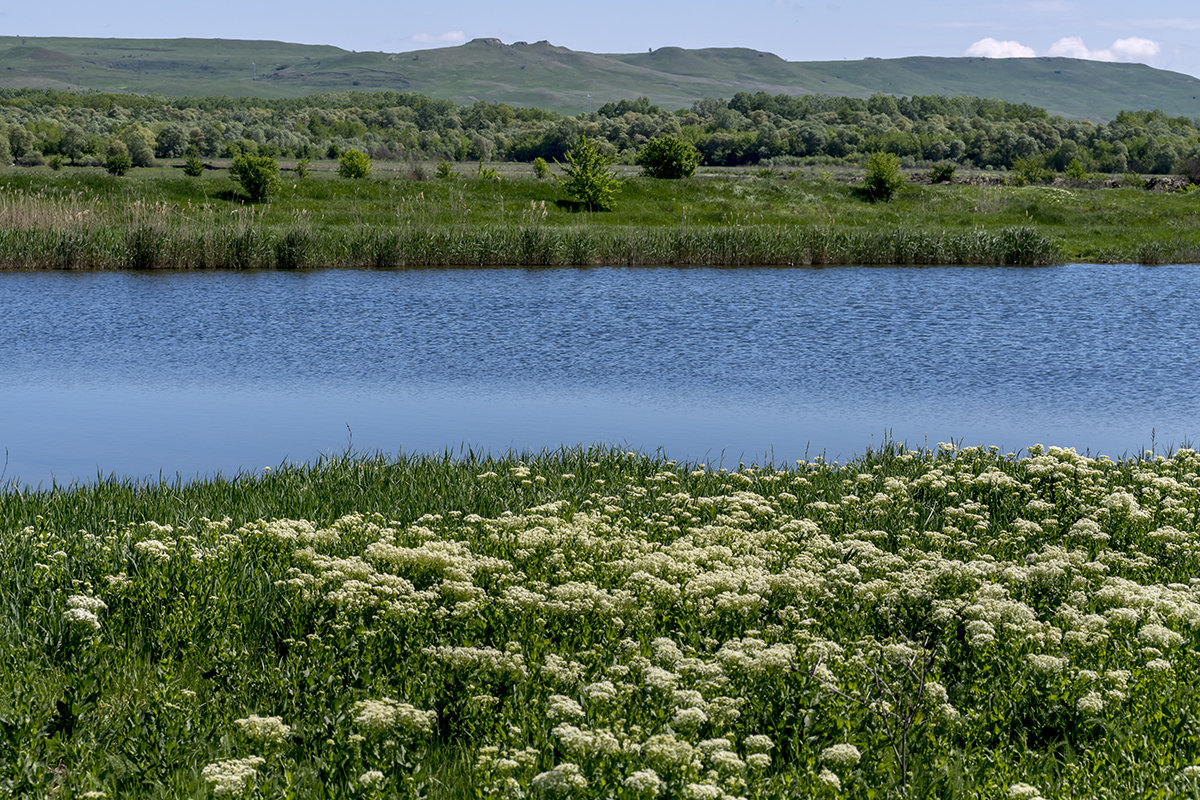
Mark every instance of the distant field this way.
pixel 81 217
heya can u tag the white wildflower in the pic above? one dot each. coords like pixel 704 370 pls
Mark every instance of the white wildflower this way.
pixel 841 755
pixel 264 729
pixel 233 776
pixel 644 782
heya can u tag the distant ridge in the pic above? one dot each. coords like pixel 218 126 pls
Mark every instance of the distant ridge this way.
pixel 557 78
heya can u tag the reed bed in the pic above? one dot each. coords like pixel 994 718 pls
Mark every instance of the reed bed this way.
pixel 593 623
pixel 238 243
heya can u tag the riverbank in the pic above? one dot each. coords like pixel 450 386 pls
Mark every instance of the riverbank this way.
pixel 912 623
pixel 83 218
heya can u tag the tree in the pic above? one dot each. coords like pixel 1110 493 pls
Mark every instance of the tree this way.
pixel 257 175
pixel 116 158
pixel 354 164
pixel 140 142
pixel 171 142
pixel 668 157
pixel 587 178
pixel 883 177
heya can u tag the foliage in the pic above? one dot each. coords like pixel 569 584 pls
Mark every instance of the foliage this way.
pixel 541 170
pixel 486 174
pixel 56 162
pixel 354 164
pixel 1076 171
pixel 257 175
pixel 942 172
pixel 445 171
pixel 193 167
pixel 587 178
pixel 1030 171
pixel 668 157
pixel 116 159
pixel 302 168
pixel 882 177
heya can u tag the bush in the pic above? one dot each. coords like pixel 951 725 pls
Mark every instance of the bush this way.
pixel 541 169
pixel 257 175
pixel 354 164
pixel 882 178
pixel 668 157
pixel 445 171
pixel 942 172
pixel 587 178
pixel 116 159
pixel 302 170
pixel 1076 172
pixel 193 167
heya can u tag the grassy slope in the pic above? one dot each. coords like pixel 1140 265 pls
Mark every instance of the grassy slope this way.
pixel 557 78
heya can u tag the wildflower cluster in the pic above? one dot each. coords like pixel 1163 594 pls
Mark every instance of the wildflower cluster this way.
pixel 658 630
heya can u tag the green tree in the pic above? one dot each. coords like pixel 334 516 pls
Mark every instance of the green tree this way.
pixel 883 177
pixel 116 158
pixel 668 157
pixel 171 142
pixel 193 167
pixel 140 142
pixel 20 140
pixel 540 168
pixel 354 164
pixel 257 175
pixel 587 178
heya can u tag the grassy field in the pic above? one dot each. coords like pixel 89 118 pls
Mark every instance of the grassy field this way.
pixel 599 624
pixel 78 218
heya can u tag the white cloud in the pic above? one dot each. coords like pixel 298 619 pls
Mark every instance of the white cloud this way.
pixel 1133 48
pixel 449 37
pixel 990 48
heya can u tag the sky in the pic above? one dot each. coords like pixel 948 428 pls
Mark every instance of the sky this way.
pixel 1162 34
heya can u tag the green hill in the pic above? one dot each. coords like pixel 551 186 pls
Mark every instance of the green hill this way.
pixel 546 76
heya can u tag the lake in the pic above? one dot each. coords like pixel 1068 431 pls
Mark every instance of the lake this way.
pixel 143 374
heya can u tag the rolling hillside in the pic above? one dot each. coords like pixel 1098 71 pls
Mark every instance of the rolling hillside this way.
pixel 557 78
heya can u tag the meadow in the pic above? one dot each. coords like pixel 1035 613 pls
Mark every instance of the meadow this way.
pixel 405 215
pixel 591 623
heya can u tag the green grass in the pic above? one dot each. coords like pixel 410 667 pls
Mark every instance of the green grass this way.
pixel 159 218
pixel 584 616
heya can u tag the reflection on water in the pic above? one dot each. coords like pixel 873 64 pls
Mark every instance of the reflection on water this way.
pixel 140 373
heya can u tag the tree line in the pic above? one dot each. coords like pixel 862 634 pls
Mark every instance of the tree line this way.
pixel 746 129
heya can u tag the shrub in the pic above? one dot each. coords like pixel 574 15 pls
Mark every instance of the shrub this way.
pixel 487 174
pixel 942 172
pixel 445 171
pixel 541 169
pixel 193 167
pixel 116 159
pixel 1075 171
pixel 587 178
pixel 257 175
pixel 668 157
pixel 302 170
pixel 1029 171
pixel 882 178
pixel 354 164
pixel 56 162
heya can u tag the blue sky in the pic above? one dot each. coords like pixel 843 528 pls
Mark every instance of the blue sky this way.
pixel 1162 34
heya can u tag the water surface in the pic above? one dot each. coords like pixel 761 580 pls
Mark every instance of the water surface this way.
pixel 193 373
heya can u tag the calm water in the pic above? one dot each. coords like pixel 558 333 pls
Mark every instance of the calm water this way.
pixel 142 374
